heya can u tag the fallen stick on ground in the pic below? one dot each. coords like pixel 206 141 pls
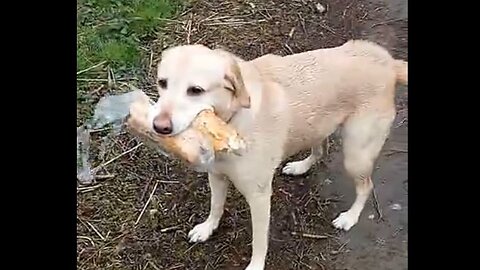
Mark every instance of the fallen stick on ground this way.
pixel 308 235
pixel 146 204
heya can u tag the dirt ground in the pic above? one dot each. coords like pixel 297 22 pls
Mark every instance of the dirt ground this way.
pixel 117 229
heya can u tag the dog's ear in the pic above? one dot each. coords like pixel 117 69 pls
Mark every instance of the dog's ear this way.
pixel 234 77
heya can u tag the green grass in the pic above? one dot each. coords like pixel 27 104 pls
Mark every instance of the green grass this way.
pixel 110 34
pixel 112 30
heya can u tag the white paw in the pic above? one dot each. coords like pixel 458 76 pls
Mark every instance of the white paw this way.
pixel 296 168
pixel 345 221
pixel 202 231
pixel 252 266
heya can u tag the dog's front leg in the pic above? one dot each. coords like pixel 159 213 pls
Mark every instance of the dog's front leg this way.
pixel 218 190
pixel 260 211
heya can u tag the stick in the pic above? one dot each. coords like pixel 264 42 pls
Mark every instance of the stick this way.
pixel 401 122
pixel 289 49
pixel 168 182
pixel 307 235
pixel 387 22
pixel 90 68
pixel 164 230
pixel 189 28
pixel 96 169
pixel 95 230
pixel 395 150
pixel 87 188
pixel 146 204
pixel 377 205
pixel 86 238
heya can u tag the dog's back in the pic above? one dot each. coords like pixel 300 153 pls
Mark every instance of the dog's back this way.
pixel 325 86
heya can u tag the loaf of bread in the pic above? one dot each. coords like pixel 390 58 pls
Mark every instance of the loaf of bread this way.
pixel 198 144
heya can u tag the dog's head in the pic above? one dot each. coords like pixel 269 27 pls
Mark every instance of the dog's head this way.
pixel 192 78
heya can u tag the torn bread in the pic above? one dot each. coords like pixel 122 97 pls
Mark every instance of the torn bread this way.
pixel 207 135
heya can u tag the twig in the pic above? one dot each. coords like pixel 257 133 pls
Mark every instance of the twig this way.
pixel 96 169
pixel 397 231
pixel 151 62
pixel 88 188
pixel 387 22
pixel 86 238
pixel 234 23
pixel 146 187
pixel 104 176
pixel 188 249
pixel 303 263
pixel 308 235
pixel 328 28
pixel 377 205
pixel 146 204
pixel 153 265
pixel 290 34
pixel 321 265
pixel 111 78
pixel 395 150
pixel 289 49
pixel 302 22
pixel 401 122
pixel 99 130
pixel 211 17
pixel 92 80
pixel 95 230
pixel 165 230
pixel 176 266
pixel 96 90
pixel 168 20
pixel 340 248
pixel 189 28
pixel 168 182
pixel 90 68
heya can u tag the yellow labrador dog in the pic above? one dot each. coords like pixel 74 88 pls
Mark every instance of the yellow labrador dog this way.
pixel 281 105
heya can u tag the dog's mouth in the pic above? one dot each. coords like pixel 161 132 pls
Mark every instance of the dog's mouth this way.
pixel 180 127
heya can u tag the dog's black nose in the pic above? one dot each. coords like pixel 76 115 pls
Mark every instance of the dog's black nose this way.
pixel 162 125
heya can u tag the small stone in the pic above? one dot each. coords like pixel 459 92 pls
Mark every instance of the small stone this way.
pixel 372 216
pixel 396 206
pixel 320 8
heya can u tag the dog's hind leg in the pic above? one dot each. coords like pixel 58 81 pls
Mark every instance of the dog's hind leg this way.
pixel 302 166
pixel 363 138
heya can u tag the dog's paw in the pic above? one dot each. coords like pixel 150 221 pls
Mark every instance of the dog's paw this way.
pixel 252 266
pixel 202 231
pixel 345 221
pixel 296 167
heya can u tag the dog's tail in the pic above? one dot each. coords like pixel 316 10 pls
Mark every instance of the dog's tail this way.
pixel 401 69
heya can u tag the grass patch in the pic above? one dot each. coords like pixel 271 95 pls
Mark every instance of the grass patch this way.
pixel 112 32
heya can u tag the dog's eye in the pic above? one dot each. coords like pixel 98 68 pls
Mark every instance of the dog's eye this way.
pixel 195 91
pixel 162 83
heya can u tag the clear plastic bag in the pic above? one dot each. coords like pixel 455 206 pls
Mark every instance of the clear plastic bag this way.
pixel 113 110
pixel 110 110
pixel 84 171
